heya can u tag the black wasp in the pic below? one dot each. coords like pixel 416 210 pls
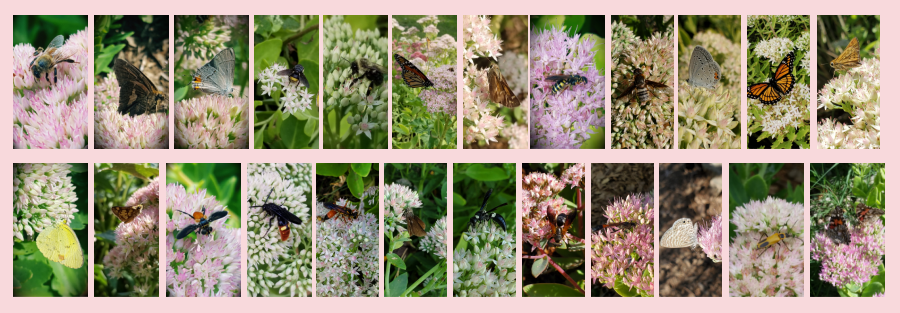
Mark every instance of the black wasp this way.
pixel 202 222
pixel 561 82
pixel 295 75
pixel 483 216
pixel 642 87
pixel 275 211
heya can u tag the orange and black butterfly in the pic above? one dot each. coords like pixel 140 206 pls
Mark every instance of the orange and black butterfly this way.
pixel 642 87
pixel 126 214
pixel 864 212
pixel 849 58
pixel 837 227
pixel 411 74
pixel 778 86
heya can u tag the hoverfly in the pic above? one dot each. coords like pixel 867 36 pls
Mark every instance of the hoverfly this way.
pixel 202 223
pixel 277 212
pixel 46 59
pixel 642 88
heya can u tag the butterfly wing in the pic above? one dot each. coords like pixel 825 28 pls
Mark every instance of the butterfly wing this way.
pixel 412 76
pixel 128 213
pixel 499 89
pixel 704 70
pixel 682 234
pixel 849 58
pixel 217 76
pixel 137 94
pixel 784 77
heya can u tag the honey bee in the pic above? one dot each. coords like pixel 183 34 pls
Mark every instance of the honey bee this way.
pixel 137 94
pixel 46 59
pixel 643 87
pixel 368 69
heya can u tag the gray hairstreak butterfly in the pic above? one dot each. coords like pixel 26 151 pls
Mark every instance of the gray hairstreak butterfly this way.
pixel 704 71
pixel 683 234
pixel 217 76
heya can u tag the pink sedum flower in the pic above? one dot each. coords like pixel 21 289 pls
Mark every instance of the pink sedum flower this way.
pixel 857 92
pixel 852 263
pixel 776 271
pixel 113 130
pixel 208 265
pixel 212 122
pixel 710 238
pixel 43 193
pixel 625 255
pixel 48 114
pixel 435 242
pixel 540 196
pixel 136 254
pixel 347 258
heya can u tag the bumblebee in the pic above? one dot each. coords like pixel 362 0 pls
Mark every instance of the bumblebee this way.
pixel 642 87
pixel 363 68
pixel 280 213
pixel 295 75
pixel 46 59
pixel 483 216
pixel 561 82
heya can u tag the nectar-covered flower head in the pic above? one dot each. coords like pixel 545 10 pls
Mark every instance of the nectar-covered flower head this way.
pixel 212 122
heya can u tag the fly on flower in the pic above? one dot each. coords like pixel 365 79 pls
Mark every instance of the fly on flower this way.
pixel 46 59
pixel 295 75
pixel 280 213
pixel 642 88
pixel 202 223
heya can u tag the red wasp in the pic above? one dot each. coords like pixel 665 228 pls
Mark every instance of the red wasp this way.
pixel 559 226
pixel 347 213
pixel 621 225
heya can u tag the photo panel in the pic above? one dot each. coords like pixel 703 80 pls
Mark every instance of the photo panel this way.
pixel 415 230
pixel 553 229
pixel 50 98
pixel 568 57
pixel 622 225
pixel 203 229
pixel 690 217
pixel 212 59
pixel 286 74
pixel 347 208
pixel 126 229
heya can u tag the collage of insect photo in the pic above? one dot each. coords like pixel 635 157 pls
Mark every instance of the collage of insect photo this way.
pixel 249 223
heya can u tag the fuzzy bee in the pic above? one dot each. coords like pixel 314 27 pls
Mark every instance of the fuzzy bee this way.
pixel 363 68
pixel 295 75
pixel 642 88
pixel 561 82
pixel 46 59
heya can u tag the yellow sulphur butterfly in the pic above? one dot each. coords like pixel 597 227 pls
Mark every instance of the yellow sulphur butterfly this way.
pixel 59 244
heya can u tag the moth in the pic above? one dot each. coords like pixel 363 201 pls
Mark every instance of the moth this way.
pixel 126 214
pixel 137 95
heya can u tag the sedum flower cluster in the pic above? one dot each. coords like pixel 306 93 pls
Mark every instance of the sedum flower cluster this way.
pixel 623 255
pixel 48 114
pixel 276 267
pixel 540 197
pixel 212 122
pixel 347 257
pixel 852 263
pixel 642 125
pixel 296 97
pixel 113 130
pixel 397 199
pixel 566 119
pixel 43 193
pixel 774 271
pixel 710 238
pixel 434 54
pixel 487 268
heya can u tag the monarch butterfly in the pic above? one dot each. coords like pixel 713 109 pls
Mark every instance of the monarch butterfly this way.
pixel 411 74
pixel 776 88
pixel 849 58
